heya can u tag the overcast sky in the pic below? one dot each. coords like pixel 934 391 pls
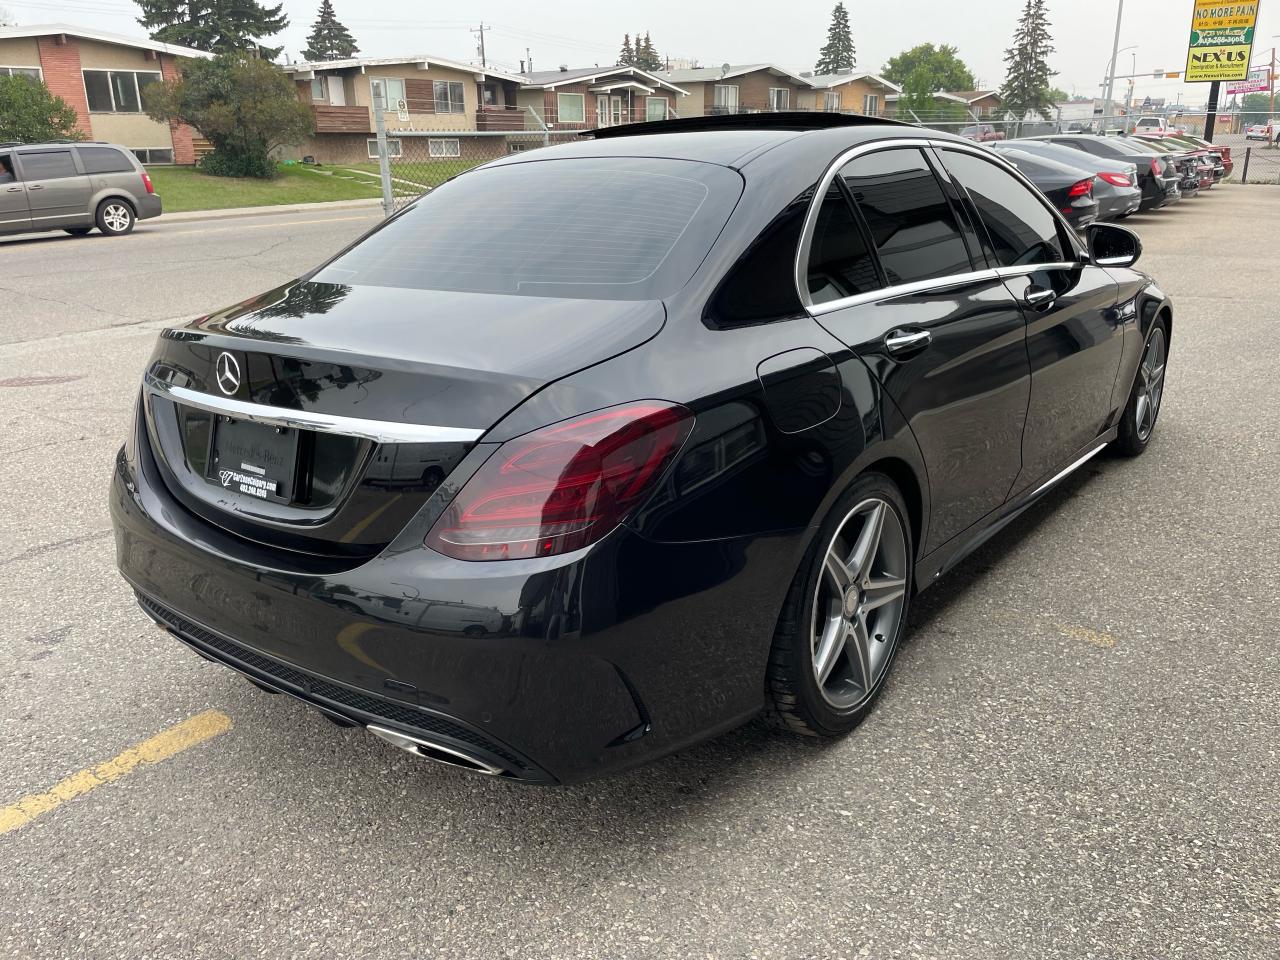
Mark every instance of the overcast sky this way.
pixel 578 33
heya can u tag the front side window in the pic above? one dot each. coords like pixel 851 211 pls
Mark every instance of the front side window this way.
pixel 6 169
pixel 571 108
pixel 48 165
pixel 840 265
pixel 1021 228
pixel 779 98
pixel 450 147
pixel 448 96
pixel 117 91
pixel 915 230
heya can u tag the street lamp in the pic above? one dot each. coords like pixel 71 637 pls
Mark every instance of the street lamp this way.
pixel 1110 79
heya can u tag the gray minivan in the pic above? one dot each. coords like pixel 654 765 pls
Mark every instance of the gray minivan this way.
pixel 73 187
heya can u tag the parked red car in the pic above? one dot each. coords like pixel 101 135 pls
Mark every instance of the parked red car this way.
pixel 982 133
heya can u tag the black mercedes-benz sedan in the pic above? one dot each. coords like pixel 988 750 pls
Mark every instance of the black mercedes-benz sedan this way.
pixel 599 450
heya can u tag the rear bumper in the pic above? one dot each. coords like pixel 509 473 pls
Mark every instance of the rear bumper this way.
pixel 558 670
pixel 149 206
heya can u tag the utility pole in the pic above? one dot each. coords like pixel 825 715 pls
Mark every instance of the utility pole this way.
pixel 481 31
pixel 1211 114
pixel 1111 74
pixel 1272 76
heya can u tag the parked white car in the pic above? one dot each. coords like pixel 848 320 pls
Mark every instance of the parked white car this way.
pixel 1157 125
pixel 1262 131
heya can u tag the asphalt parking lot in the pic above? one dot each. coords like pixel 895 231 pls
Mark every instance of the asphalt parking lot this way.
pixel 1077 755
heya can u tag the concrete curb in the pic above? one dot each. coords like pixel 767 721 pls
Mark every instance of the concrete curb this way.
pixel 233 212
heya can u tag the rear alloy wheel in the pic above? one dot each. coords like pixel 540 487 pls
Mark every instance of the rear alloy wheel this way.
pixel 115 218
pixel 1139 420
pixel 78 231
pixel 845 613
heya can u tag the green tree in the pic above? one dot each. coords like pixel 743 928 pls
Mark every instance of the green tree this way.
pixel 1058 95
pixel 329 39
pixel 218 26
pixel 646 56
pixel 1026 84
pixel 627 55
pixel 29 113
pixel 244 106
pixel 1256 108
pixel 942 68
pixel 838 53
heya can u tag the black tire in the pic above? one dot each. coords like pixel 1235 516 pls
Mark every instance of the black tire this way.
pixel 1133 438
pixel 78 231
pixel 795 699
pixel 115 217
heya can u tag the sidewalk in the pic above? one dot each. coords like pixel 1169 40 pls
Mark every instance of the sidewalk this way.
pixel 231 212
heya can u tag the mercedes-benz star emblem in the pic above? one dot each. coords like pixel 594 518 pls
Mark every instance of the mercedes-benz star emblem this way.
pixel 228 374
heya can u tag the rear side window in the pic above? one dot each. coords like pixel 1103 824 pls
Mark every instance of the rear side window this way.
pixel 1021 229
pixel 104 160
pixel 840 263
pixel 48 165
pixel 608 228
pixel 912 224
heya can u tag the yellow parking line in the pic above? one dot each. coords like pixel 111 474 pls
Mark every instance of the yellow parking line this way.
pixel 201 727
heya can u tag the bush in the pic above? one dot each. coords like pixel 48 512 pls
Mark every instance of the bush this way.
pixel 245 107
pixel 29 113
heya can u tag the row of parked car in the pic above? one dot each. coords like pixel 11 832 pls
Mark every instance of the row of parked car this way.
pixel 1091 177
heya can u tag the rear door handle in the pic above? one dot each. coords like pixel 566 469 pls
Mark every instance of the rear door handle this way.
pixel 899 342
pixel 13 189
pixel 1037 296
pixel 36 186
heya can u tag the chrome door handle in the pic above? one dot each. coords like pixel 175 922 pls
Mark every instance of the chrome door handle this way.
pixel 36 186
pixel 13 189
pixel 1039 296
pixel 905 341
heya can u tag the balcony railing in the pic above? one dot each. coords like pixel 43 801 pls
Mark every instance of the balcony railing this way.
pixel 500 118
pixel 342 119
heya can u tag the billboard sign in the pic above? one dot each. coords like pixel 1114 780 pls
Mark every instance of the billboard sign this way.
pixel 1221 41
pixel 1259 82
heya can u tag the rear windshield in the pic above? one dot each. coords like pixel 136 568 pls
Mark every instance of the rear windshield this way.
pixel 601 229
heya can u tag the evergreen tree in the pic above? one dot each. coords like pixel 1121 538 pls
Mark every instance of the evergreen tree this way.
pixel 627 56
pixel 838 54
pixel 647 57
pixel 329 39
pixel 219 26
pixel 1026 83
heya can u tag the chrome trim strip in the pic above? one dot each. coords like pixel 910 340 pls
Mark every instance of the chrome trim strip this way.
pixel 885 293
pixel 380 431
pixel 452 756
pixel 1062 475
pixel 1116 261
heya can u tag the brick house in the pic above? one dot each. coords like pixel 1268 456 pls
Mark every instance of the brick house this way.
pixel 420 93
pixel 101 76
pixel 849 92
pixel 749 88
pixel 590 97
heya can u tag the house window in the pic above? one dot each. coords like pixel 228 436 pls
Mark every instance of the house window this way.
pixel 725 98
pixel 871 105
pixel 32 72
pixel 451 147
pixel 392 91
pixel 117 91
pixel 571 108
pixel 393 148
pixel 831 101
pixel 317 89
pixel 448 94
pixel 655 108
pixel 151 156
pixel 779 98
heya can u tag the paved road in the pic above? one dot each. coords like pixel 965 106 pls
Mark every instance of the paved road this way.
pixel 1076 757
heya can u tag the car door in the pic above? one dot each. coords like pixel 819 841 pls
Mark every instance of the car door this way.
pixel 890 272
pixel 57 193
pixel 14 214
pixel 1074 332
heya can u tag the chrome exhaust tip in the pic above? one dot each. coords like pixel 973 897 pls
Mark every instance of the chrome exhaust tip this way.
pixel 435 751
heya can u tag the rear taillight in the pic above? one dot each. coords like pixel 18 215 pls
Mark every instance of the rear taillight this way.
pixel 1116 179
pixel 1081 189
pixel 146 182
pixel 1156 168
pixel 562 487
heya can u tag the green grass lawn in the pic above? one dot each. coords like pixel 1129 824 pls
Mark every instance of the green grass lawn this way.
pixel 427 173
pixel 183 188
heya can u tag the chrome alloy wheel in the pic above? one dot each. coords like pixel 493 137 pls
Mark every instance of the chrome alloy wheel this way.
pixel 1150 385
pixel 117 217
pixel 858 603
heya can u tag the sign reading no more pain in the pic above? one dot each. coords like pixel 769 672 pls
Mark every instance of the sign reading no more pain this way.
pixel 1221 41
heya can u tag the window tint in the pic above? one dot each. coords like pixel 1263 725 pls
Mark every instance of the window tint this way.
pixel 1021 228
pixel 561 228
pixel 913 226
pixel 762 284
pixel 6 169
pixel 840 265
pixel 50 165
pixel 104 160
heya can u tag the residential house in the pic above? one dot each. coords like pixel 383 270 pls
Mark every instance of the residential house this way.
pixel 981 103
pixel 749 88
pixel 418 93
pixel 849 92
pixel 101 76
pixel 590 97
pixel 972 104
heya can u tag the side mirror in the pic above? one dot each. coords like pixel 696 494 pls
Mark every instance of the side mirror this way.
pixel 1113 246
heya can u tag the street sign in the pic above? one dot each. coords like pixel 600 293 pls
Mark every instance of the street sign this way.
pixel 402 111
pixel 1221 41
pixel 1259 81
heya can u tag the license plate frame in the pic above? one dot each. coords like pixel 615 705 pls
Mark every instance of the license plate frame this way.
pixel 255 460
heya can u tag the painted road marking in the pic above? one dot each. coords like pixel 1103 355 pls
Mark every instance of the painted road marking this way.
pixel 201 727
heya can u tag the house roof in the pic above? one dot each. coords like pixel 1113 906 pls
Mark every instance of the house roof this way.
pixel 52 29
pixel 550 79
pixel 424 61
pixel 716 74
pixel 970 96
pixel 826 81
